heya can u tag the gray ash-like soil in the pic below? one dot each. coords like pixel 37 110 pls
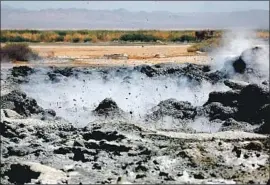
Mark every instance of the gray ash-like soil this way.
pixel 164 145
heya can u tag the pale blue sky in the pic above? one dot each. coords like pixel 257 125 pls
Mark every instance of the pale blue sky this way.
pixel 172 6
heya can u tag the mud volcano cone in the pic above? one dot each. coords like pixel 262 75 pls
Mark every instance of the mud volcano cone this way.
pixel 246 58
pixel 108 107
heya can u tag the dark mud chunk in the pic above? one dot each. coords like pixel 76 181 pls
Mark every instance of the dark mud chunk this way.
pixel 78 155
pixel 206 68
pixel 251 99
pixel 7 130
pixel 54 77
pixel 21 174
pixel 237 151
pixel 103 145
pixel 17 101
pixel 235 85
pixel 174 108
pixel 67 71
pixel 263 129
pixel 99 135
pixel 107 146
pixel 228 98
pixel 265 118
pixel 194 72
pixel 264 113
pixel 216 110
pixel 148 70
pixel 108 107
pixel 22 71
pixel 239 65
pixel 198 176
pixel 265 82
pixel 127 79
pixel 254 145
pixel 18 150
pixel 50 112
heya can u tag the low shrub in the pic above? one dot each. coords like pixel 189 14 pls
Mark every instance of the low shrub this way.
pixel 87 40
pixel 61 33
pixel 59 39
pixel 18 52
pixel 138 37
pixel 205 46
pixel 75 40
pixel 184 38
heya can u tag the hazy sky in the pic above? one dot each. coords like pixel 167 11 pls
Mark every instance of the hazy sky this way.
pixel 172 6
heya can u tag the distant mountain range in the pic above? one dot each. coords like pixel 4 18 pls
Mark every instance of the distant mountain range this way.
pixel 73 18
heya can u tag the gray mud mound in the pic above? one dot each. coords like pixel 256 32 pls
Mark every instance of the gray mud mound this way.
pixel 247 62
pixel 19 102
pixel 23 105
pixel 108 107
pixel 173 108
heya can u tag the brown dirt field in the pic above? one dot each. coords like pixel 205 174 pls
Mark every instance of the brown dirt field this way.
pixel 81 55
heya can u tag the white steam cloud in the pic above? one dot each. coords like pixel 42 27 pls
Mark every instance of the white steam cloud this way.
pixel 233 43
pixel 75 98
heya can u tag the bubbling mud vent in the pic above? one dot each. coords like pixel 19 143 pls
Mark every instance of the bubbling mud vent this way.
pixel 76 97
pixel 163 123
pixel 162 96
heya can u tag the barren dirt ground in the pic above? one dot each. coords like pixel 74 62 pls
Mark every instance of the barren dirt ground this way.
pixel 84 55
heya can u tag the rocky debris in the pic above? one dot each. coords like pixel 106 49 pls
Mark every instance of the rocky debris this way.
pixel 19 102
pixel 104 151
pixel 108 107
pixel 173 108
pixel 122 56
